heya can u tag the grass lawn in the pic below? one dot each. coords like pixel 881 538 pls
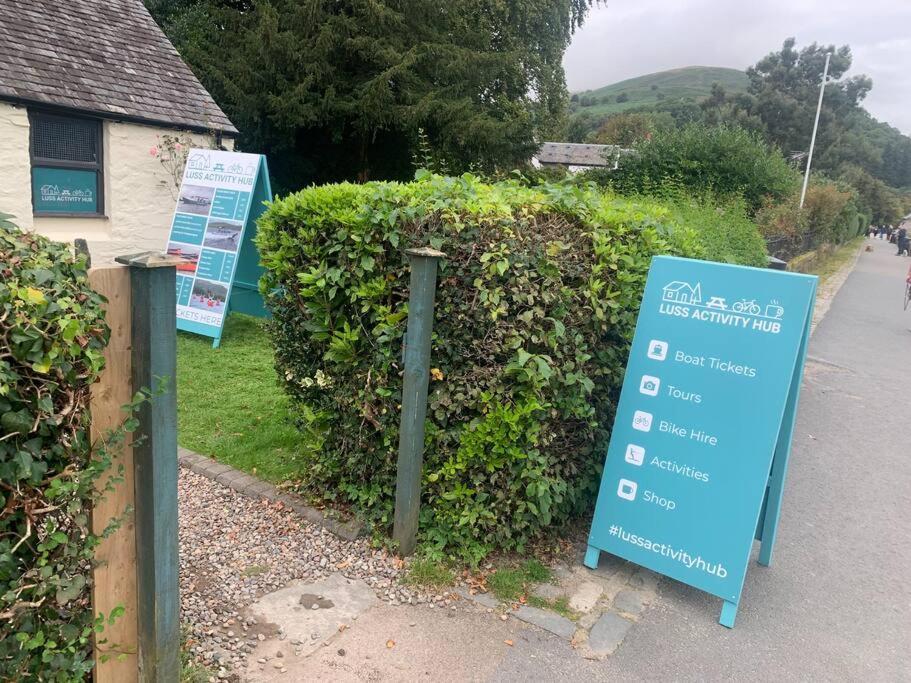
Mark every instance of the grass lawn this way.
pixel 839 258
pixel 229 404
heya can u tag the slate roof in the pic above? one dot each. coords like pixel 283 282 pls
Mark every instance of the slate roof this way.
pixel 106 57
pixel 575 154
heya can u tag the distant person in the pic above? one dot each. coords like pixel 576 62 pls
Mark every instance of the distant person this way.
pixel 901 238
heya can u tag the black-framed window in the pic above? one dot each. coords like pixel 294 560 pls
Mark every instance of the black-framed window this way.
pixel 67 165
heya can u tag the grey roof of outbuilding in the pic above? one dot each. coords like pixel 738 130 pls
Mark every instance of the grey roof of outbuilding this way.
pixel 107 57
pixel 576 154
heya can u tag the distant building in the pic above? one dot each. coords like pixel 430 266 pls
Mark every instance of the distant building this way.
pixel 576 157
pixel 86 89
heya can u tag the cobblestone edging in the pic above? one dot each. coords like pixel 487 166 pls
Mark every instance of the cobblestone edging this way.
pixel 606 602
pixel 258 489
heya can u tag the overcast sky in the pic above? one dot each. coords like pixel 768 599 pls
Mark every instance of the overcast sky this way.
pixel 629 38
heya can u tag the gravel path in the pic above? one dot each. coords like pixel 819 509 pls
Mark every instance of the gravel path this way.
pixel 234 549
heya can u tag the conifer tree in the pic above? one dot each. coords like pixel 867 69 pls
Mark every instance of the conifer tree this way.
pixel 338 89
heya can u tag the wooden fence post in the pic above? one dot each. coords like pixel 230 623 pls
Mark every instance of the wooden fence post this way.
pixel 114 576
pixel 154 359
pixel 414 396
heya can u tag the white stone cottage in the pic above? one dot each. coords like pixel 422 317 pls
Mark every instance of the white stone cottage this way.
pixel 88 90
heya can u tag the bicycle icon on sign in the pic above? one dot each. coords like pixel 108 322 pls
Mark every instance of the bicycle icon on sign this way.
pixel 748 306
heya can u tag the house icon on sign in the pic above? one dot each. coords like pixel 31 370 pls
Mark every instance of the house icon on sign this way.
pixel 682 292
pixel 198 161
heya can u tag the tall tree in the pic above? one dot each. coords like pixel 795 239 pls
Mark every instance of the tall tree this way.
pixel 338 89
pixel 785 88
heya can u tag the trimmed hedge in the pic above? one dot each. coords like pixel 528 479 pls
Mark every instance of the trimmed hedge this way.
pixel 536 305
pixel 53 335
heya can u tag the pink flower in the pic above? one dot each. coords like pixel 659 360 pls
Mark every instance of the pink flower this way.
pixel 154 151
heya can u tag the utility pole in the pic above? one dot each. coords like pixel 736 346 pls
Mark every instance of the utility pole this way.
pixel 822 89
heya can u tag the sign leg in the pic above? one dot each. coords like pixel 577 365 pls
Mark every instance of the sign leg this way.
pixel 783 451
pixel 728 614
pixel 592 555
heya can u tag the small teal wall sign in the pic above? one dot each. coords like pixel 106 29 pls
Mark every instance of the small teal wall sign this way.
pixel 699 450
pixel 214 224
pixel 64 190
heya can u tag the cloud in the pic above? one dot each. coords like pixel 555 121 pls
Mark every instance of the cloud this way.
pixel 628 38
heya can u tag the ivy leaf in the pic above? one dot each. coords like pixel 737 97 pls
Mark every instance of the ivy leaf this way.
pixel 42 366
pixel 17 422
pixel 35 296
pixel 69 589
pixel 24 461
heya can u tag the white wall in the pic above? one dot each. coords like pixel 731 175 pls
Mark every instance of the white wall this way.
pixel 139 195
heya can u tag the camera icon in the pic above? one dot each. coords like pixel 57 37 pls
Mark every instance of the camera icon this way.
pixel 649 385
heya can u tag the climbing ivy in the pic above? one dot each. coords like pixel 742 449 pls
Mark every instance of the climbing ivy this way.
pixel 52 337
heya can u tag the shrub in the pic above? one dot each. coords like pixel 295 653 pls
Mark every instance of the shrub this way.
pixel 831 212
pixel 54 333
pixel 725 231
pixel 829 216
pixel 624 129
pixel 699 159
pixel 536 304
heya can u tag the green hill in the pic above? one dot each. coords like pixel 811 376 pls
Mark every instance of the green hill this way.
pixel 689 82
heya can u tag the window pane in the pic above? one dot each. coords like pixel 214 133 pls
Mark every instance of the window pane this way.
pixel 65 139
pixel 64 190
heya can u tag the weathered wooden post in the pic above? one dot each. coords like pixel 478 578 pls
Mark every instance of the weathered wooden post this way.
pixel 154 361
pixel 414 396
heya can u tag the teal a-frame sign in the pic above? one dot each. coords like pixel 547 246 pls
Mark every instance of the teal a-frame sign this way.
pixel 696 465
pixel 221 196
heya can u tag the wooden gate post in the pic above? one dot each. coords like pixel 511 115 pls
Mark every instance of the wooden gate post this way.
pixel 154 359
pixel 414 396
pixel 114 574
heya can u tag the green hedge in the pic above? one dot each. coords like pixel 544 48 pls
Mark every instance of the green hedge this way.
pixel 723 161
pixel 53 335
pixel 536 305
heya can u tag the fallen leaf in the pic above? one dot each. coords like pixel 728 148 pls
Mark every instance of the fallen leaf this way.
pixel 508 642
pixel 390 644
pixel 342 627
pixel 436 373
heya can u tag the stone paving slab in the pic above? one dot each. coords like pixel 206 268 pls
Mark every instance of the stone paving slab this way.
pixel 549 621
pixel 628 601
pixel 252 487
pixel 308 616
pixel 607 634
